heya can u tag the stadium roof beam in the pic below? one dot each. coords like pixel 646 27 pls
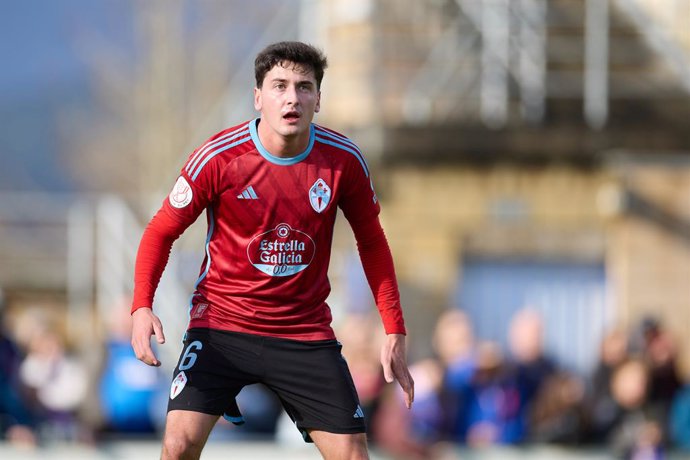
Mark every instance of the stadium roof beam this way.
pixel 596 100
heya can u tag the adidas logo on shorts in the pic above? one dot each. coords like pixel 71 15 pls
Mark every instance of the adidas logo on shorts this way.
pixel 359 413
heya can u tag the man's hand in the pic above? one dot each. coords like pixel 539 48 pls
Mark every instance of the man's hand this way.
pixel 394 364
pixel 144 325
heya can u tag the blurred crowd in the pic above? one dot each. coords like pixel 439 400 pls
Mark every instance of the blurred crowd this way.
pixel 469 392
pixel 634 403
pixel 51 390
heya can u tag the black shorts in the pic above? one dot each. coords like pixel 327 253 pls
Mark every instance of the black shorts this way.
pixel 311 379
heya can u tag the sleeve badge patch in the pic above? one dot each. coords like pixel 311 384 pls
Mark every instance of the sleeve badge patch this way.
pixel 181 194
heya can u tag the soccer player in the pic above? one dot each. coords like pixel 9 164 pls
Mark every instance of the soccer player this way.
pixel 270 188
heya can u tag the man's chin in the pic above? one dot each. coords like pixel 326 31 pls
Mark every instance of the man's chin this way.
pixel 294 129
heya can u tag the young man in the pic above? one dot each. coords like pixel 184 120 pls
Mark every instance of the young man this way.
pixel 270 188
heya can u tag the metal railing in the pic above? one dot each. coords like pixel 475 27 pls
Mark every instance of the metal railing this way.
pixel 494 53
pixel 84 246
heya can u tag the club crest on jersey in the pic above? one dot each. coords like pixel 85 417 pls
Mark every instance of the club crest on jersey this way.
pixel 181 194
pixel 319 195
pixel 178 384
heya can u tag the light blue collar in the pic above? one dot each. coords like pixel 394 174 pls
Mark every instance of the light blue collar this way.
pixel 272 158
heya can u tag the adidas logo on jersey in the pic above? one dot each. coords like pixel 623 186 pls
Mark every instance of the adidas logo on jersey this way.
pixel 248 194
pixel 359 413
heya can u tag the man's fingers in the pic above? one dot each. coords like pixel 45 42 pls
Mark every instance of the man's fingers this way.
pixel 388 372
pixel 387 364
pixel 144 352
pixel 409 392
pixel 408 400
pixel 158 330
pixel 150 358
pixel 407 385
pixel 395 366
pixel 149 355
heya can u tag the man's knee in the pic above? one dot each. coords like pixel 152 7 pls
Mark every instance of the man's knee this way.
pixel 359 446
pixel 185 434
pixel 341 446
pixel 181 448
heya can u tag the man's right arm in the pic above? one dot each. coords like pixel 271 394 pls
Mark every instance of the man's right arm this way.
pixel 187 200
pixel 152 257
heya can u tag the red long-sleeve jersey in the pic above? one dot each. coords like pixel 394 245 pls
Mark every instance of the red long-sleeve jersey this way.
pixel 270 227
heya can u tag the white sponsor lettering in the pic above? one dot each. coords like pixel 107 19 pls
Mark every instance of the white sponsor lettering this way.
pixel 282 251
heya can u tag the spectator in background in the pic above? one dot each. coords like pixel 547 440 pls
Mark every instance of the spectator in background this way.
pixel 659 351
pixel 638 428
pixel 58 382
pixel 360 335
pixel 415 434
pixel 601 407
pixel 16 421
pixel 440 386
pixel 127 389
pixel 557 412
pixel 490 410
pixel 454 345
pixel 453 342
pixel 529 363
pixel 389 423
pixel 679 420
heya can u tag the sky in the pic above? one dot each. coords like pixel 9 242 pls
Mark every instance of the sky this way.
pixel 43 74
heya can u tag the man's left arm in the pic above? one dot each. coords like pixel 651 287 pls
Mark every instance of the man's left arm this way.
pixel 377 262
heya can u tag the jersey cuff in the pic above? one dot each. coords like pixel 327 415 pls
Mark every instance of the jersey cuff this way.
pixel 137 308
pixel 398 329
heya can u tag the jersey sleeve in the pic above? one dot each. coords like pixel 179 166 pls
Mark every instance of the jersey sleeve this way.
pixel 361 208
pixel 190 195
pixel 359 200
pixel 152 256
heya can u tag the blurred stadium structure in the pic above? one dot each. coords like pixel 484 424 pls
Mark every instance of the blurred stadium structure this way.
pixel 543 134
pixel 527 152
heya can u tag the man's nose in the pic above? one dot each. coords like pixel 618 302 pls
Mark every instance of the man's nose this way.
pixel 291 95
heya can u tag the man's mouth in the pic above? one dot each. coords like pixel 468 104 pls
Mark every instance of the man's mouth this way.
pixel 291 116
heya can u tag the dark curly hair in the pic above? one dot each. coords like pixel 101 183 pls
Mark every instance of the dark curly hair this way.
pixel 297 52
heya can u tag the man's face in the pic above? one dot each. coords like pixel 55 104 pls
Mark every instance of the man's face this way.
pixel 288 99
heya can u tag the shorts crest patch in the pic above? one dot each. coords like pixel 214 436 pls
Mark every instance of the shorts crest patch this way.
pixel 178 384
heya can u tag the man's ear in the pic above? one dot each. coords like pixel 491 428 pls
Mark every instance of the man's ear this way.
pixel 257 99
pixel 318 102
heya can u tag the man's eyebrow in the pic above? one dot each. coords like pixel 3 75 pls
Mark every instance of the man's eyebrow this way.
pixel 300 82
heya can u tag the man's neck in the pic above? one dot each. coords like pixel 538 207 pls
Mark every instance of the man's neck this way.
pixel 281 146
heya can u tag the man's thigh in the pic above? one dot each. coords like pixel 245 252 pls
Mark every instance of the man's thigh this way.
pixel 314 384
pixel 212 369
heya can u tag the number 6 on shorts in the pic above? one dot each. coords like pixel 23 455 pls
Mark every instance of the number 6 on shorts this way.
pixel 189 357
